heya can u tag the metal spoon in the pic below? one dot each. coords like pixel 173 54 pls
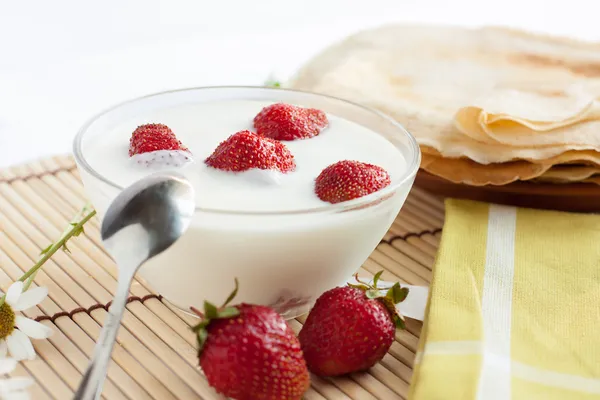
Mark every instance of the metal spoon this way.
pixel 143 221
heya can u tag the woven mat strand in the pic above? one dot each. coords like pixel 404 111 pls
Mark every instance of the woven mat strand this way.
pixel 155 357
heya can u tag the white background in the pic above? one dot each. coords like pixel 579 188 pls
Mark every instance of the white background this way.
pixel 62 61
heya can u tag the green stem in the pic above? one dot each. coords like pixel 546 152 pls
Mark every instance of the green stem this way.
pixel 75 228
pixel 29 281
pixel 56 246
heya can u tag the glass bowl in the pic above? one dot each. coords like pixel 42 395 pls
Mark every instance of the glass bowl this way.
pixel 281 259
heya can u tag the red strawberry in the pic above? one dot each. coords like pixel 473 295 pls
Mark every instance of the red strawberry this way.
pixel 246 150
pixel 287 122
pixel 351 328
pixel 347 180
pixel 153 137
pixel 248 352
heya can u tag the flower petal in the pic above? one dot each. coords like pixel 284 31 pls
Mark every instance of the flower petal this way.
pixel 3 349
pixel 30 298
pixel 32 328
pixel 13 293
pixel 14 384
pixel 7 365
pixel 20 346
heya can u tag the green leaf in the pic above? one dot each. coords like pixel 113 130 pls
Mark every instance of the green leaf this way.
pixel 228 312
pixel 200 326
pixel 396 293
pixel 401 295
pixel 390 292
pixel 372 294
pixel 399 322
pixel 376 278
pixel 65 248
pixel 233 294
pixel 202 335
pixel 47 249
pixel 210 311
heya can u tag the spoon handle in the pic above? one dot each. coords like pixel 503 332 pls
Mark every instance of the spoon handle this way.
pixel 91 384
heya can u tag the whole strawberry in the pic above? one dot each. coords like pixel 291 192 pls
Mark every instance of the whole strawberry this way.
pixel 246 150
pixel 347 180
pixel 351 328
pixel 282 121
pixel 248 352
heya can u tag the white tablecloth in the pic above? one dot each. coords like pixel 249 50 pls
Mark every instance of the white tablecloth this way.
pixel 62 61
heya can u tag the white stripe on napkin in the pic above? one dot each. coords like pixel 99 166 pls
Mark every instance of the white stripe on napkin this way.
pixel 496 304
pixel 519 370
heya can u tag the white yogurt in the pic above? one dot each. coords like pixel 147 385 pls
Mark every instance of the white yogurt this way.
pixel 285 260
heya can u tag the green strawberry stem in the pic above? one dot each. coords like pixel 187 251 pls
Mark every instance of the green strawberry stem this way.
pixel 211 312
pixel 197 312
pixel 390 297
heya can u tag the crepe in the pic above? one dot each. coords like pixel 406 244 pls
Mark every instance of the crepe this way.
pixel 424 75
pixel 452 144
pixel 569 173
pixel 463 170
pixel 588 157
pixel 593 179
pixel 521 118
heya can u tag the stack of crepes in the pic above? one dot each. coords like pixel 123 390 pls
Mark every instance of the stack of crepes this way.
pixel 488 106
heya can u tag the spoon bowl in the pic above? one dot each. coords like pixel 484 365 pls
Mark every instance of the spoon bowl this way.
pixel 149 217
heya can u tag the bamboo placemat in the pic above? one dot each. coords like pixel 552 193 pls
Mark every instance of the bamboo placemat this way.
pixel 155 357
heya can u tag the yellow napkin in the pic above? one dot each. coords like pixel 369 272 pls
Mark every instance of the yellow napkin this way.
pixel 514 307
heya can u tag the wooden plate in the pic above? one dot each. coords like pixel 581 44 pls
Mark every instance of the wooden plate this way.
pixel 579 197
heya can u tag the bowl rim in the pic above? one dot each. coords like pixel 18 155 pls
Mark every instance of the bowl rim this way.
pixel 361 202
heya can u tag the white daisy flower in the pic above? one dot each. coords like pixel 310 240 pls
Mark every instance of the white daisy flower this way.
pixel 15 330
pixel 13 388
